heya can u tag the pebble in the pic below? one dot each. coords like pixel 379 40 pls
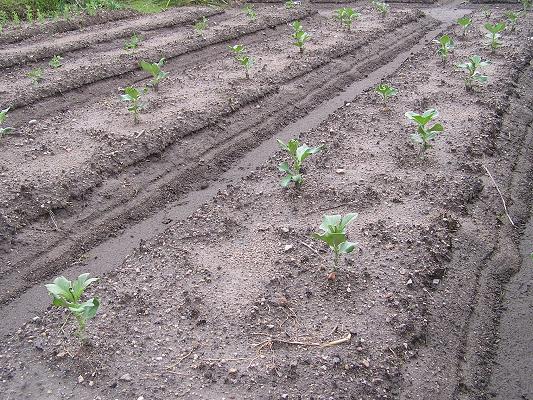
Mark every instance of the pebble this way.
pixel 125 377
pixel 288 247
pixel 366 363
pixel 340 171
pixel 32 122
pixel 80 379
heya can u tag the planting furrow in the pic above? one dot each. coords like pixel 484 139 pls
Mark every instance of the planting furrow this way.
pixel 195 160
pixel 116 62
pixel 97 142
pixel 35 51
pixel 12 35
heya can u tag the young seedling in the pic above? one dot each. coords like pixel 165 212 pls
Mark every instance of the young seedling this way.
pixel 446 45
pixel 67 294
pixel 133 96
pixel 526 5
pixel 381 7
pixel 201 25
pixel 55 62
pixel 465 23
pixel 250 12
pixel 132 44
pixel 290 4
pixel 36 75
pixel 424 134
pixel 4 131
pixel 154 69
pixel 386 91
pixel 346 16
pixel 299 35
pixel 512 17
pixel 298 153
pixel 333 233
pixel 239 54
pixel 471 68
pixel 494 34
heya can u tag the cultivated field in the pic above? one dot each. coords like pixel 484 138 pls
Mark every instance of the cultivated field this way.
pixel 212 285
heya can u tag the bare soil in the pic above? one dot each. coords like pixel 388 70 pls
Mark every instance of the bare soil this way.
pixel 226 295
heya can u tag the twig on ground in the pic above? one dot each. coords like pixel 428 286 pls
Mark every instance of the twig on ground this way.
pixel 271 340
pixel 500 193
pixel 52 217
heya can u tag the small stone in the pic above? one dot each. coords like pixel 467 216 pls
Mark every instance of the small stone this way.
pixel 232 371
pixel 409 282
pixel 91 383
pixel 32 122
pixel 61 354
pixel 80 379
pixel 436 282
pixel 366 363
pixel 340 171
pixel 125 377
pixel 288 247
pixel 140 398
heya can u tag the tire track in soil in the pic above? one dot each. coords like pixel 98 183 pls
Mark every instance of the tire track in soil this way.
pixel 107 255
pixel 481 331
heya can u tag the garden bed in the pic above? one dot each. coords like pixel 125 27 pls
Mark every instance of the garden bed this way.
pixel 233 300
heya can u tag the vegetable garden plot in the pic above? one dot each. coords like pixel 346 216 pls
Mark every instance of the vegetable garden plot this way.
pixel 239 299
pixel 111 142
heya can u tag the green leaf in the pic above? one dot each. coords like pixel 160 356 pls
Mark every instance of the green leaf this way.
pixel 436 128
pixel 347 219
pixel 286 181
pixel 347 247
pixel 329 221
pixel 284 167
